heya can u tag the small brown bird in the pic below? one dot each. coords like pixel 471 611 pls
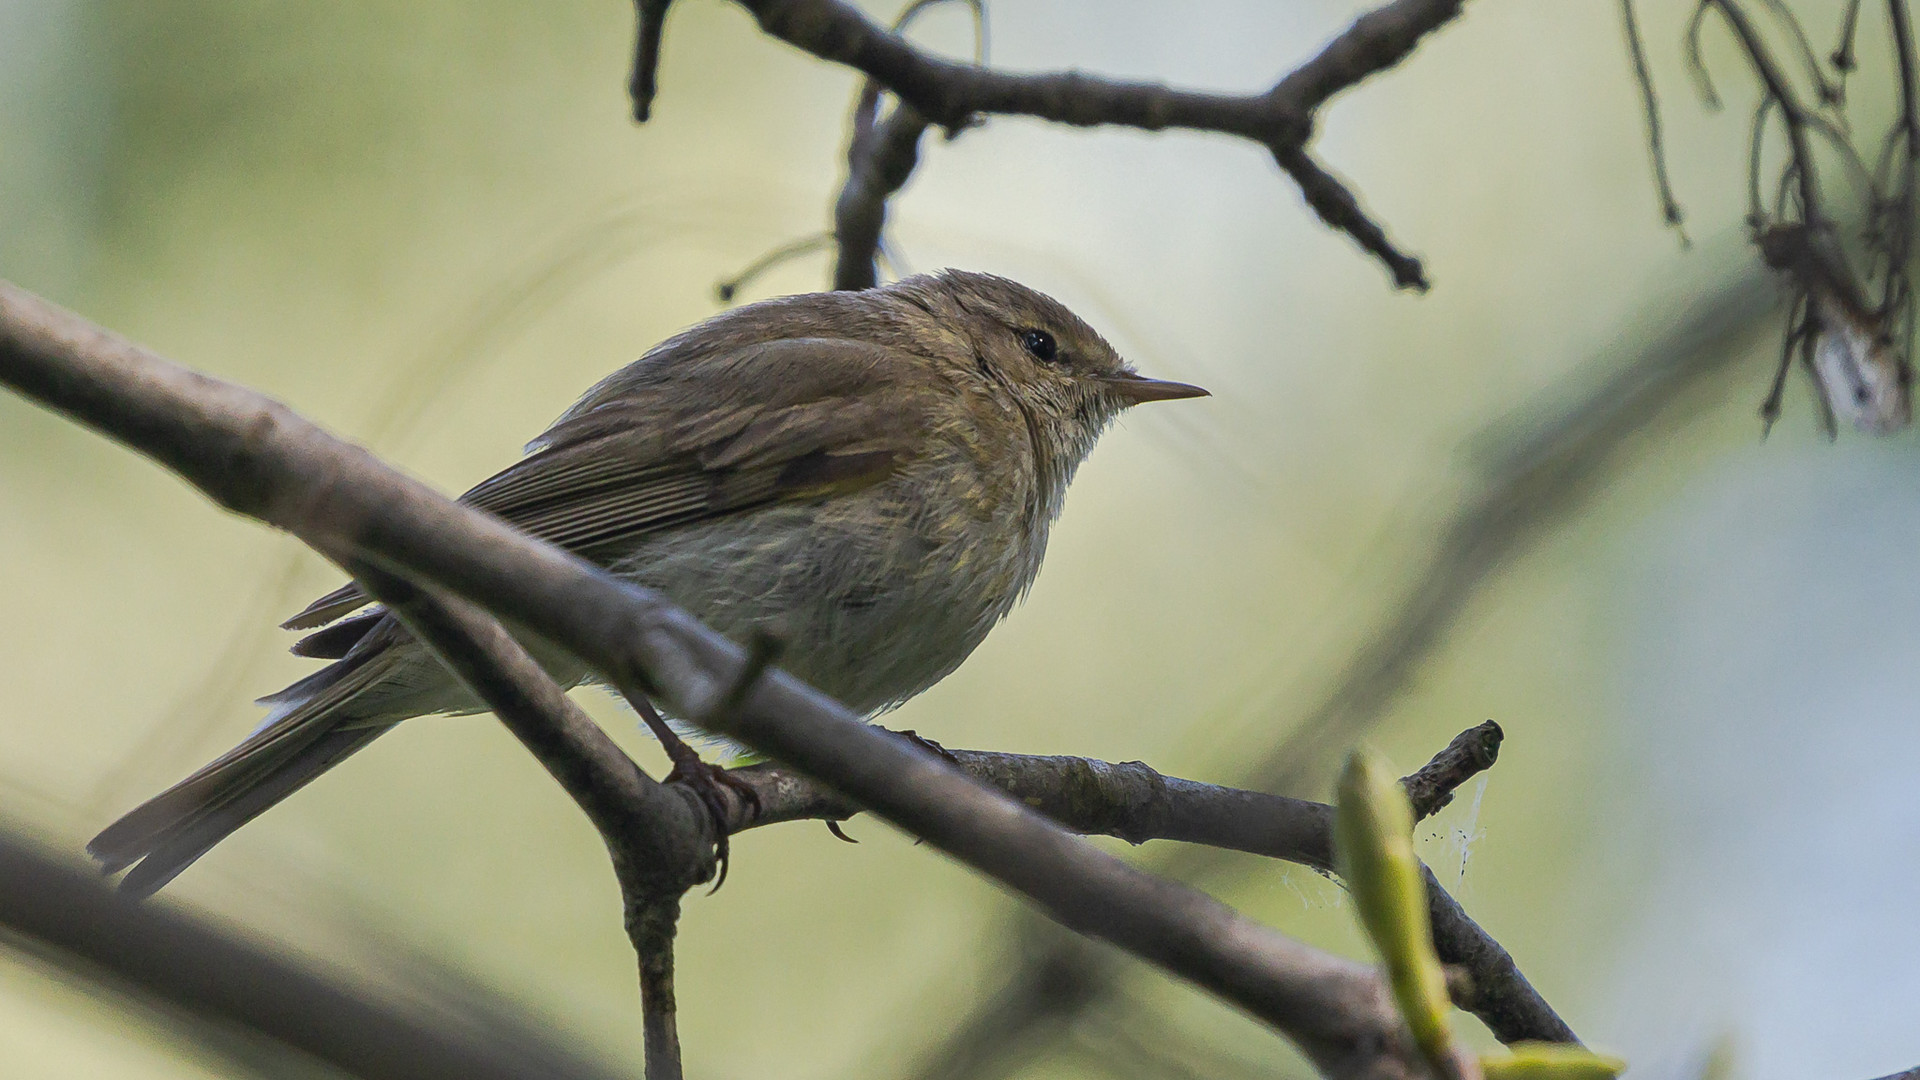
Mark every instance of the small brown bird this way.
pixel 867 477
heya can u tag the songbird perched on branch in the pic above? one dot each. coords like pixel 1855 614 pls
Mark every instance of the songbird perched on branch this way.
pixel 867 478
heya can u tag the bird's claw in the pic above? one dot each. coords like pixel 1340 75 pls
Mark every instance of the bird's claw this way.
pixel 706 782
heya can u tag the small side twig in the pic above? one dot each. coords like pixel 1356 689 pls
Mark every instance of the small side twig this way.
pixel 725 291
pixel 1473 751
pixel 1656 143
pixel 650 16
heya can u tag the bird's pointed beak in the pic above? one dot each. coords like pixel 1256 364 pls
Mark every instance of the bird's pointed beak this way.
pixel 1138 389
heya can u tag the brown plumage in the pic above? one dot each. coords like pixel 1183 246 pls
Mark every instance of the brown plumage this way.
pixel 869 477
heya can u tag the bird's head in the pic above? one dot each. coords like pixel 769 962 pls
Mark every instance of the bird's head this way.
pixel 1064 376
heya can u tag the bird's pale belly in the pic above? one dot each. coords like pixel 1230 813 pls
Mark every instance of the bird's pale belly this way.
pixel 870 616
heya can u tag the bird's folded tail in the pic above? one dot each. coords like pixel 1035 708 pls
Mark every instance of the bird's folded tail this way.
pixel 310 727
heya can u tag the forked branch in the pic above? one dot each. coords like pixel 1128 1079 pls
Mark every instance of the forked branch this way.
pixel 952 95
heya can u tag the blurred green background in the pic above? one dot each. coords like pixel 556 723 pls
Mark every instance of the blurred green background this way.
pixel 1538 494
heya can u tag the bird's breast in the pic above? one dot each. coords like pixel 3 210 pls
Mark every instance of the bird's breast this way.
pixel 875 595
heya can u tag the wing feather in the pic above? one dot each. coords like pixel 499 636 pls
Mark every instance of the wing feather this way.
pixel 671 448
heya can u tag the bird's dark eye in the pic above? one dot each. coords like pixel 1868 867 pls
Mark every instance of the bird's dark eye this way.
pixel 1040 344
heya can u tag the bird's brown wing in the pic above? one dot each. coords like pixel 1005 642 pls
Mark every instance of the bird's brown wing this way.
pixel 701 438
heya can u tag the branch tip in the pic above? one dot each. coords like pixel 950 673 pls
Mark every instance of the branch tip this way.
pixel 649 16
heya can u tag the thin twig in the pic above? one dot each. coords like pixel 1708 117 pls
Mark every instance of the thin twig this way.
pixel 1909 122
pixel 1842 58
pixel 1471 752
pixel 1777 85
pixel 650 15
pixel 1656 142
pixel 1829 92
pixel 725 291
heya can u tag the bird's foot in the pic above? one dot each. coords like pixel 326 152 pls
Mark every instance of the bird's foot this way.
pixel 711 784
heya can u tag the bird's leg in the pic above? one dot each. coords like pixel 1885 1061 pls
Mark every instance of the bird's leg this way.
pixel 706 780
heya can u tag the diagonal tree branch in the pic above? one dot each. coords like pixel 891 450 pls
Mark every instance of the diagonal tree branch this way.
pixel 256 457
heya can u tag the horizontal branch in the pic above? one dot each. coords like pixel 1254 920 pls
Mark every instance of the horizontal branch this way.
pixel 1136 803
pixel 950 94
pixel 256 457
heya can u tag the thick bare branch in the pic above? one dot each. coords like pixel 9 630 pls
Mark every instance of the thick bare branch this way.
pixel 256 457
